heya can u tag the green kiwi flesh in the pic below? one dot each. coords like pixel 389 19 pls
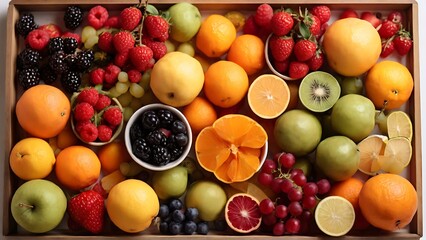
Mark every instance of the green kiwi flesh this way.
pixel 319 91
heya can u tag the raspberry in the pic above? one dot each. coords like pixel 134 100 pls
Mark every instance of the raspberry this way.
pixel 111 73
pixel 104 133
pixel 121 59
pixel 79 125
pixel 72 35
pixel 105 42
pixel 112 22
pixel 129 18
pixel 89 95
pixel 113 116
pixel 159 49
pixel 38 39
pixel 83 111
pixel 97 76
pixel 263 15
pixel 250 27
pixel 157 27
pixel 97 16
pixel 140 57
pixel 123 41
pixel 53 30
pixel 103 102
pixel 88 132
pixel 134 76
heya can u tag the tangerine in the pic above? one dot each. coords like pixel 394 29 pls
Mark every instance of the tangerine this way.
pixel 248 51
pixel 348 189
pixel 215 35
pixel 77 167
pixel 43 111
pixel 389 84
pixel 388 201
pixel 200 113
pixel 112 155
pixel 226 83
pixel 231 148
pixel 66 138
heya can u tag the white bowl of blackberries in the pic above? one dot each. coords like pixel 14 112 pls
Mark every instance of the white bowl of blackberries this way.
pixel 158 137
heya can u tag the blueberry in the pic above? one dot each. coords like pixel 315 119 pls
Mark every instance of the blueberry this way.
pixel 190 227
pixel 175 228
pixel 164 228
pixel 181 139
pixel 178 216
pixel 191 214
pixel 150 120
pixel 178 127
pixel 202 228
pixel 166 117
pixel 175 204
pixel 164 211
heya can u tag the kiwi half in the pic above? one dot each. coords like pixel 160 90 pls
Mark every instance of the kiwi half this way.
pixel 319 91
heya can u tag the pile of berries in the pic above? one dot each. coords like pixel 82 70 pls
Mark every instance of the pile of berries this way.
pixel 293 42
pixel 174 219
pixel 394 36
pixel 291 212
pixel 158 137
pixel 95 116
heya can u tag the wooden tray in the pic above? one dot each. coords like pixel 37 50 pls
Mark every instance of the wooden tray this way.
pixel 414 171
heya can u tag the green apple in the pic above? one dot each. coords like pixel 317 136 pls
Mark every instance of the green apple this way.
pixel 170 183
pixel 38 205
pixel 185 20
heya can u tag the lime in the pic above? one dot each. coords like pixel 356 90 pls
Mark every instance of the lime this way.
pixel 399 125
pixel 335 216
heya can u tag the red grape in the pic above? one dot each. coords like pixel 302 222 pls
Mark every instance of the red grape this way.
pixel 323 186
pixel 276 185
pixel 286 185
pixel 300 179
pixel 265 178
pixel 279 229
pixel 295 171
pixel 294 194
pixel 310 189
pixel 295 208
pixel 281 211
pixel 287 160
pixel 292 225
pixel 269 166
pixel 266 206
pixel 269 219
pixel 309 202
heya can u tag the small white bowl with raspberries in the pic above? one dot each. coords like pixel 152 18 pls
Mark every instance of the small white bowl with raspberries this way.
pixel 158 137
pixel 96 119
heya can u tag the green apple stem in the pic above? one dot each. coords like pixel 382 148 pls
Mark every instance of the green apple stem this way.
pixel 25 205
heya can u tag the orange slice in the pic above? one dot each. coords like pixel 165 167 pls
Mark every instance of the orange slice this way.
pixel 231 148
pixel 268 96
pixel 370 150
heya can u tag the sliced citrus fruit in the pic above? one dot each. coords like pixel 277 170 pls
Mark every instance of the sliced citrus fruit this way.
pixel 268 96
pixel 335 216
pixel 242 213
pixel 370 149
pixel 397 155
pixel 231 148
pixel 399 125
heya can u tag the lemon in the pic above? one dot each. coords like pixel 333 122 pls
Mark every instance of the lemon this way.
pixel 335 216
pixel 370 149
pixel 397 155
pixel 399 125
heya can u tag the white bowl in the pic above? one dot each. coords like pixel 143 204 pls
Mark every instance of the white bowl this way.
pixel 128 142
pixel 263 155
pixel 268 62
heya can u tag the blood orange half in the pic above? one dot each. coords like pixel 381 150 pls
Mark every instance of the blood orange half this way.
pixel 242 213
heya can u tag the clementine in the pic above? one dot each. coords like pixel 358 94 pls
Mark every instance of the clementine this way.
pixel 248 51
pixel 200 113
pixel 112 155
pixel 66 138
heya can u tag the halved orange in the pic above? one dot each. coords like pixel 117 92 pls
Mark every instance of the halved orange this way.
pixel 231 148
pixel 268 96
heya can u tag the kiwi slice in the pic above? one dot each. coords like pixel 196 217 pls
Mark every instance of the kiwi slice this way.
pixel 319 91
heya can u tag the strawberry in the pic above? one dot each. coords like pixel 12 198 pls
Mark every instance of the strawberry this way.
pixel 403 43
pixel 88 210
pixel 349 13
pixel 159 49
pixel 315 26
pixel 121 59
pixel 388 29
pixel 123 41
pixel 322 12
pixel 250 27
pixel 282 22
pixel 281 47
pixel 140 57
pixel 298 70
pixel 387 48
pixel 157 27
pixel 282 66
pixel 263 15
pixel 38 39
pixel 105 42
pixel 304 49
pixel 112 22
pixel 53 29
pixel 316 61
pixel 97 16
pixel 130 18
pixel 372 18
pixel 395 16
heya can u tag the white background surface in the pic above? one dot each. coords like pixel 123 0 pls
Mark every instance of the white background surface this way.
pixel 422 23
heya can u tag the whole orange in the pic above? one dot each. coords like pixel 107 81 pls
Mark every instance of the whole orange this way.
pixel 43 111
pixel 389 84
pixel 77 167
pixel 225 84
pixel 200 113
pixel 388 201
pixel 112 155
pixel 248 51
pixel 215 36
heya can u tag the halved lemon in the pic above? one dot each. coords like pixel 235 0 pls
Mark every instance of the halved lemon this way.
pixel 396 156
pixel 370 150
pixel 334 216
pixel 399 125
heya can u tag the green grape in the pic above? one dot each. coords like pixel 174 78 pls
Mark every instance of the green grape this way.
pixel 136 90
pixel 87 32
pixel 145 81
pixel 122 87
pixel 170 46
pixel 91 42
pixel 125 99
pixel 113 92
pixel 123 77
pixel 186 47
pixel 127 113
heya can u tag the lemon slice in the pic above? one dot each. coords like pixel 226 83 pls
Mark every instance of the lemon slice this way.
pixel 397 155
pixel 334 216
pixel 370 149
pixel 399 125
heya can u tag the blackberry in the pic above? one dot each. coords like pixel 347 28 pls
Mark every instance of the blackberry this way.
pixel 150 120
pixel 58 62
pixel 28 58
pixel 25 24
pixel 29 77
pixel 175 153
pixel 156 137
pixel 141 149
pixel 73 17
pixel 71 81
pixel 48 75
pixel 160 155
pixel 70 45
pixel 136 132
pixel 84 60
pixel 55 44
pixel 166 117
pixel 71 61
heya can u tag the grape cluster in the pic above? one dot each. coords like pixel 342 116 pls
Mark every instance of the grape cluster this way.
pixel 297 197
pixel 174 219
